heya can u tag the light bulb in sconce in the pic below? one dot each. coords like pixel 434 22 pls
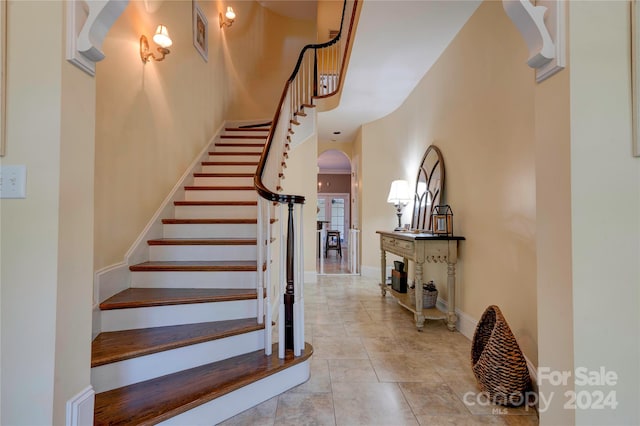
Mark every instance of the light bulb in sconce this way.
pixel 162 39
pixel 228 18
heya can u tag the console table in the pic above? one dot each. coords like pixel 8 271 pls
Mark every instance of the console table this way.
pixel 421 248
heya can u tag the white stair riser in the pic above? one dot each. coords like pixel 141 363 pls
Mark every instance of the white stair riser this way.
pixel 238 147
pixel 223 181
pixel 208 279
pixel 221 195
pixel 127 372
pixel 235 402
pixel 158 316
pixel 230 168
pixel 234 158
pixel 202 252
pixel 214 230
pixel 217 212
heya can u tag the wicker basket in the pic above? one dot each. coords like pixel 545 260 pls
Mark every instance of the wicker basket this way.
pixel 429 298
pixel 497 361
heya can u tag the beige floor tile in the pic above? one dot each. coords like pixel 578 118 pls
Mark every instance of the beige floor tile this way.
pixel 319 380
pixel 305 409
pixel 432 399
pixel 351 370
pixel 261 415
pixel 371 404
pixel 339 348
pixel 326 330
pixel 371 366
pixel 379 346
pixel 366 329
pixel 404 368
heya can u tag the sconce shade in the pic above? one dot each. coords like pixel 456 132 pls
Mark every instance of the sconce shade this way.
pixel 161 37
pixel 228 18
pixel 231 15
pixel 399 192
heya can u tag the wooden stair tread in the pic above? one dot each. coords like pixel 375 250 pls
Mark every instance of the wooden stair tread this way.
pixel 219 188
pixel 117 346
pixel 230 174
pixel 229 163
pixel 243 136
pixel 202 242
pixel 234 153
pixel 215 203
pixel 145 297
pixel 248 129
pixel 159 399
pixel 242 144
pixel 196 265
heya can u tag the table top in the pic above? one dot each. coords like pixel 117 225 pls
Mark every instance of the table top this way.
pixel 421 235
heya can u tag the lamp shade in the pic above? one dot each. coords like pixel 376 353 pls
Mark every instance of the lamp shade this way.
pixel 399 192
pixel 161 37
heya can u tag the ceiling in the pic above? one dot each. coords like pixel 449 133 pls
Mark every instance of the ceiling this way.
pixel 292 8
pixel 384 69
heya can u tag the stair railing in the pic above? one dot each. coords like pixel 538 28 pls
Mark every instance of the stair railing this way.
pixel 318 73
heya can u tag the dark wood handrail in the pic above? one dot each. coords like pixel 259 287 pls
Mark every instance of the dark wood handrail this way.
pixel 262 190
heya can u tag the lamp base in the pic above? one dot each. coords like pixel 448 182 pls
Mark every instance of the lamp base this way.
pixel 399 227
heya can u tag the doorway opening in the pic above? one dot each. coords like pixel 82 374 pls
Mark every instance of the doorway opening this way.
pixel 337 239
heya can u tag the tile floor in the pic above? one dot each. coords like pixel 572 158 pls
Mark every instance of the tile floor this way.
pixel 372 367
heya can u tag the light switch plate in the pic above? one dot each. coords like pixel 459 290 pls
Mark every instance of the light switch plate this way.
pixel 13 181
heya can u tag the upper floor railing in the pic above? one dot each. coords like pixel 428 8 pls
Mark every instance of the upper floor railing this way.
pixel 318 73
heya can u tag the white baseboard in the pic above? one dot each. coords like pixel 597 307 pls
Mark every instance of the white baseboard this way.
pixel 111 280
pixel 80 408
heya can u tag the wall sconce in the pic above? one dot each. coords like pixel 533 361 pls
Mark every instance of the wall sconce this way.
pixel 228 18
pixel 161 38
pixel 400 196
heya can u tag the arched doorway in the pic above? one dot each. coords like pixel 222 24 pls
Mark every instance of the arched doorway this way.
pixel 335 242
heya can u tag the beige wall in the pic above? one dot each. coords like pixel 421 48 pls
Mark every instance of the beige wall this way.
pixel 553 239
pixel 299 181
pixel 605 201
pixel 261 50
pixel 329 14
pixel 46 238
pixel 476 105
pixel 152 119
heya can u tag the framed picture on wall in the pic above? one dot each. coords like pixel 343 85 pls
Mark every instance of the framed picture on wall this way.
pixel 200 31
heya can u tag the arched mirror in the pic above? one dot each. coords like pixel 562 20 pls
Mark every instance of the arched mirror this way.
pixel 429 188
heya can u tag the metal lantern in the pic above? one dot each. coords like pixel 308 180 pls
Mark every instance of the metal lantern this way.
pixel 442 220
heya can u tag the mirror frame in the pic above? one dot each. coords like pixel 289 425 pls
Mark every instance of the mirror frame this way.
pixel 421 219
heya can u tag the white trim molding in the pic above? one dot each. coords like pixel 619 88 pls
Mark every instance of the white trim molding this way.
pixel 87 25
pixel 80 408
pixel 542 26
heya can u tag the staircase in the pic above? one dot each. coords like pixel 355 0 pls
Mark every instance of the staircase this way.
pixel 188 342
